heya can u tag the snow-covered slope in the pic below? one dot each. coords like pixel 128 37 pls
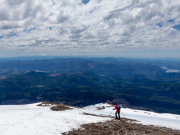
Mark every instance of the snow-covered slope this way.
pixel 37 120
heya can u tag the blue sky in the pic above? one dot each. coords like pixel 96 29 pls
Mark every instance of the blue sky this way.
pixel 128 28
pixel 177 27
pixel 85 1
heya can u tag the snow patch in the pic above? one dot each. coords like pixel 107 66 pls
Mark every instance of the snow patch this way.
pixel 168 70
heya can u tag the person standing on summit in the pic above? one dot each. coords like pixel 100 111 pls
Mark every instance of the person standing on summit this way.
pixel 117 108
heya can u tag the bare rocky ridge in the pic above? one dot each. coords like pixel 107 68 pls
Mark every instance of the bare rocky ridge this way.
pixel 45 103
pixel 121 127
pixel 60 108
pixel 55 107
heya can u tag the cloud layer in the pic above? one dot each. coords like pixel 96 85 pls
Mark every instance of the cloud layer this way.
pixel 104 25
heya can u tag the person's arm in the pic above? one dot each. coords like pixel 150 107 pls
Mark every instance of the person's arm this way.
pixel 115 107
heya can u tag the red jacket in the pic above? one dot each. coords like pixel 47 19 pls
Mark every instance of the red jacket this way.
pixel 116 108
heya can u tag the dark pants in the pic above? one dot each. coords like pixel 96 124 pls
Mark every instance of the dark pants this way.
pixel 117 112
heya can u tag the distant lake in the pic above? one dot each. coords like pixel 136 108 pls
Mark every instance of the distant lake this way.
pixel 168 70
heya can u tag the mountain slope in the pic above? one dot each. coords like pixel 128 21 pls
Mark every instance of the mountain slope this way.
pixel 32 119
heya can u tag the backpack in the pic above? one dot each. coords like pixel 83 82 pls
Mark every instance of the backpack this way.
pixel 118 107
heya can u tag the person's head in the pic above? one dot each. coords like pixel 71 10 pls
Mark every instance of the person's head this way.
pixel 115 103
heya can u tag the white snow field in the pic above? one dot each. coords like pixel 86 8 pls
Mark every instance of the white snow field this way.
pixel 37 120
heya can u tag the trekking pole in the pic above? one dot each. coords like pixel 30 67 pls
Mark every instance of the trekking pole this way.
pixel 110 113
pixel 123 114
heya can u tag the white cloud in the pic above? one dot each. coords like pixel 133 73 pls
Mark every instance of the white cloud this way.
pixel 54 25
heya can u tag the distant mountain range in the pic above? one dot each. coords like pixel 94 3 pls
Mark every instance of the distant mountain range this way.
pixel 82 81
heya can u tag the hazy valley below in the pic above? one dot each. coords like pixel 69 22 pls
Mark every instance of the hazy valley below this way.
pixel 85 81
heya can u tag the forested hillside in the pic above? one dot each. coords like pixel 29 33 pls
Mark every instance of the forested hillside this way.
pixel 87 88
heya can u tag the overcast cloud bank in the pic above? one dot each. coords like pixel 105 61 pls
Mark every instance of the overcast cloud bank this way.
pixel 95 25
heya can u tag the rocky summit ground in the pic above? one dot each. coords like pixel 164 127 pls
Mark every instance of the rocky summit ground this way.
pixel 121 127
pixel 55 107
